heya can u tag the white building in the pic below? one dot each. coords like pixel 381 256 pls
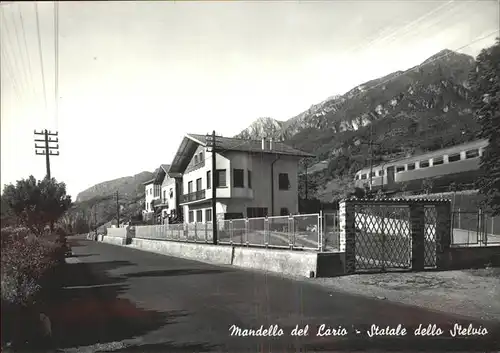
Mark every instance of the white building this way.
pixel 254 178
pixel 162 196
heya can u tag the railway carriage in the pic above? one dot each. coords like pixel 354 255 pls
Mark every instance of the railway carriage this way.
pixel 459 164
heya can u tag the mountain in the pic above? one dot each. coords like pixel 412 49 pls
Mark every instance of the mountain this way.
pixel 424 108
pixel 263 127
pixel 97 204
pixel 127 187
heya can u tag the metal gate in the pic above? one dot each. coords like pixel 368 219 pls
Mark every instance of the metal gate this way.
pixel 383 237
pixel 430 219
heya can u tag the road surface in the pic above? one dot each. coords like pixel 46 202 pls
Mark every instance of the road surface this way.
pixel 117 296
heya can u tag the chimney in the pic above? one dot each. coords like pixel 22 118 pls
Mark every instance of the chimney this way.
pixel 263 143
pixel 271 144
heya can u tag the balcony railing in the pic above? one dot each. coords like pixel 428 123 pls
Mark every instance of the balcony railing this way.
pixel 193 196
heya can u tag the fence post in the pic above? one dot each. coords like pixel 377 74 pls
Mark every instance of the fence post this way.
pixel 480 225
pixel 185 231
pixel 417 234
pixel 246 231
pixel 266 232
pixel 459 219
pixel 347 236
pixel 231 231
pixel 291 233
pixel 206 232
pixel 320 231
pixel 443 233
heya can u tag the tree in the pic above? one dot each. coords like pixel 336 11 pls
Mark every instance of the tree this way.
pixel 37 204
pixel 485 85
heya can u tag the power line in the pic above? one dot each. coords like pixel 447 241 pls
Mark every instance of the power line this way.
pixel 41 54
pixel 23 77
pixel 27 52
pixel 56 59
pixel 30 83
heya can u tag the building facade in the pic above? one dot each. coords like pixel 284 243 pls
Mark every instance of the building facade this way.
pixel 162 196
pixel 253 178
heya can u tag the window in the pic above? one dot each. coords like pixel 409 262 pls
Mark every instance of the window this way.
pixel 195 159
pixel 209 179
pixel 357 177
pixel 381 172
pixel 200 157
pixel 283 182
pixel 373 174
pixel 198 184
pixel 284 211
pixel 220 178
pixel 400 169
pixel 454 157
pixel 199 215
pixel 437 161
pixel 472 154
pixel 190 187
pixel 249 179
pixel 164 195
pixel 171 192
pixel 208 215
pixel 256 212
pixel 191 216
pixel 411 166
pixel 238 181
pixel 363 176
pixel 147 207
pixel 424 164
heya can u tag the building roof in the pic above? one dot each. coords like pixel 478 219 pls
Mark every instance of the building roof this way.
pixel 243 145
pixel 159 174
pixel 190 143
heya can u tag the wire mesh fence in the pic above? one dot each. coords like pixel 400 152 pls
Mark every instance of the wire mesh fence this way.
pixel 291 232
pixel 383 238
pixel 188 232
pixel 475 228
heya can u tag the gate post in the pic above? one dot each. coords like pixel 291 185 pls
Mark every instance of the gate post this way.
pixel 347 236
pixel 417 233
pixel 443 233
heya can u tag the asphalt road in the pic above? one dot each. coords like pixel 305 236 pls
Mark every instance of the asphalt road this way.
pixel 164 304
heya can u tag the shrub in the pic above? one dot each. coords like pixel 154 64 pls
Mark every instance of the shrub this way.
pixel 25 260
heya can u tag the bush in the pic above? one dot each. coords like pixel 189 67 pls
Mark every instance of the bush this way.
pixel 26 259
pixel 27 278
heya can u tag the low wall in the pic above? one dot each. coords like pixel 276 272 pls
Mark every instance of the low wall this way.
pixel 114 240
pixel 296 263
pixel 216 254
pixel 470 257
pixel 117 232
pixel 300 263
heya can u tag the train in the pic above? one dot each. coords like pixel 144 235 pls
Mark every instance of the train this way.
pixel 458 164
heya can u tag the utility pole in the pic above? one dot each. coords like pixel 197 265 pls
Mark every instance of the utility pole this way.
pixel 47 149
pixel 306 179
pixel 211 141
pixel 95 219
pixel 117 211
pixel 371 154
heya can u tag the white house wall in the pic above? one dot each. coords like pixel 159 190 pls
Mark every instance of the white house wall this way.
pixel 169 183
pixel 149 197
pixel 260 165
pixel 192 175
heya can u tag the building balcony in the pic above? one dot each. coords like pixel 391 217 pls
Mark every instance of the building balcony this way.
pixel 193 196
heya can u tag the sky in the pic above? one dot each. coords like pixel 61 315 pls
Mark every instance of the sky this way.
pixel 134 77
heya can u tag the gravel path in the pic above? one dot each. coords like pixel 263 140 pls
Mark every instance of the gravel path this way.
pixel 474 293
